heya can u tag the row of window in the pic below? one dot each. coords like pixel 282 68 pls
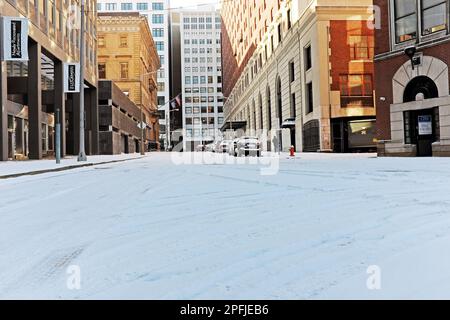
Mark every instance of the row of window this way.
pixel 203 120
pixel 202 60
pixel 196 110
pixel 206 26
pixel 203 90
pixel 200 41
pixel 201 79
pixel 202 69
pixel 140 6
pixel 204 132
pixel 422 17
pixel 202 99
pixel 201 50
pixel 200 19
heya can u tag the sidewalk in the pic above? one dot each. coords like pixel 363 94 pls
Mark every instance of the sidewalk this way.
pixel 13 169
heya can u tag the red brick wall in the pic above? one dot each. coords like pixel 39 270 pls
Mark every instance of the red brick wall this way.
pixel 341 63
pixel 386 68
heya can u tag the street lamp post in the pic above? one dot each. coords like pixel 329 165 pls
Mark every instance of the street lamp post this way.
pixel 82 153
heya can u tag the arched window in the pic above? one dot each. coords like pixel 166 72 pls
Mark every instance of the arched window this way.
pixel 279 102
pixel 261 123
pixel 420 86
pixel 269 109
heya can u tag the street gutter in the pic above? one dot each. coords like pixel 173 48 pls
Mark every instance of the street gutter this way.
pixel 65 168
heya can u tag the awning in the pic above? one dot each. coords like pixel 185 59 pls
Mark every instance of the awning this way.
pixel 233 125
pixel 288 123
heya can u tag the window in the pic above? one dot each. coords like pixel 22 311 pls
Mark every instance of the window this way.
pixel 309 98
pixel 157 6
pixel 289 23
pixel 157 18
pixel 279 33
pixel 434 16
pixel 158 32
pixel 101 42
pixel 161 59
pixel 356 85
pixel 405 19
pixel 292 71
pixel 110 6
pixel 123 41
pixel 126 6
pixel 142 6
pixel 102 70
pixel 308 58
pixel 124 70
pixel 161 100
pixel 159 45
pixel 356 90
pixel 361 47
pixel 187 80
pixel 161 86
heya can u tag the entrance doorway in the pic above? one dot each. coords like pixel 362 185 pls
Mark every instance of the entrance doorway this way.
pixel 422 129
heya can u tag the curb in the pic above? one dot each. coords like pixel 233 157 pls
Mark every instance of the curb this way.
pixel 71 167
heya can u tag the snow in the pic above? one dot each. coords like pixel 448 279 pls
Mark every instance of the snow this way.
pixel 15 167
pixel 153 228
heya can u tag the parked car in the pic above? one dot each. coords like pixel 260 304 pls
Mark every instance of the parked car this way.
pixel 215 144
pixel 200 148
pixel 209 147
pixel 223 146
pixel 248 146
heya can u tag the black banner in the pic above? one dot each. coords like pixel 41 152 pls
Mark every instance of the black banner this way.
pixel 71 77
pixel 16 39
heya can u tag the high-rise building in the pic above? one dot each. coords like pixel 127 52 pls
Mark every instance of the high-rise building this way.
pixel 201 76
pixel 32 91
pixel 412 78
pixel 157 13
pixel 302 71
pixel 127 55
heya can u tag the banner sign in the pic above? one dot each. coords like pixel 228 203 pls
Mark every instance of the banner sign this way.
pixel 71 77
pixel 15 39
pixel 425 125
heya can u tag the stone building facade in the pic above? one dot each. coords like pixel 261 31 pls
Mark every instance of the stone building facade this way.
pixel 413 100
pixel 127 55
pixel 310 80
pixel 32 91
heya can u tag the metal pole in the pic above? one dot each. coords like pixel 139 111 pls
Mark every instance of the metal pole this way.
pixel 82 152
pixel 58 138
pixel 142 132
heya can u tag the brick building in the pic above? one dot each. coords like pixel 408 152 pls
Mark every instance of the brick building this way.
pixel 412 78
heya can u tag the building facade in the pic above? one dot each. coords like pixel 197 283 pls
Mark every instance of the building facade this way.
pixel 309 80
pixel 412 78
pixel 157 14
pixel 119 120
pixel 201 76
pixel 32 91
pixel 127 55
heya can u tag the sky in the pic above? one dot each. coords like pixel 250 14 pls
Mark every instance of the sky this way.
pixel 190 3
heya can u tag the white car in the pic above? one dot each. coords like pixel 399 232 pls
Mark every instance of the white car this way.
pixel 248 146
pixel 223 146
pixel 209 147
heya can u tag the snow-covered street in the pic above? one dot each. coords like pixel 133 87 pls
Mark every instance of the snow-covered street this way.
pixel 151 229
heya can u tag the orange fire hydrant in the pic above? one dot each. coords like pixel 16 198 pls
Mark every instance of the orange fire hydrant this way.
pixel 292 151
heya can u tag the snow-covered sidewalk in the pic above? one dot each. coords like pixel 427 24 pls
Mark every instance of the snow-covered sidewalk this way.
pixel 30 166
